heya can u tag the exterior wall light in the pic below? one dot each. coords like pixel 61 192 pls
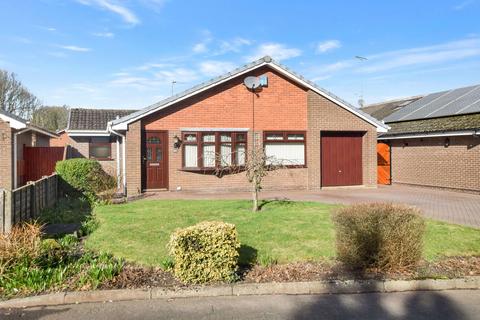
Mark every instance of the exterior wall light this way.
pixel 447 142
pixel 177 142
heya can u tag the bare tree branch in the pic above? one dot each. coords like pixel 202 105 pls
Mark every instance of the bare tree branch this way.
pixel 15 98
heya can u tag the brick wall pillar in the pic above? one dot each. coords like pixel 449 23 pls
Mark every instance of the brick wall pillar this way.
pixel 6 156
pixel 133 150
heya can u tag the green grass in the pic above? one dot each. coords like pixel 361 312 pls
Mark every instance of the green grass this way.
pixel 282 231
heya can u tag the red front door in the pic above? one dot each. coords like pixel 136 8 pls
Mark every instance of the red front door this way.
pixel 155 156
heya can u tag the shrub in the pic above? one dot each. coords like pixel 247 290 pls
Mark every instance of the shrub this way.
pixel 85 176
pixel 21 243
pixel 51 265
pixel 383 236
pixel 205 252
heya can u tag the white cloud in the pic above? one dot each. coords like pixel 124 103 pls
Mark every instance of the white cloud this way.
pixel 277 51
pixel 104 34
pixel 151 65
pixel 418 57
pixel 233 45
pixel 442 53
pixel 328 45
pixel 463 5
pixel 75 48
pixel 110 5
pixel 200 47
pixel 213 68
pixel 177 74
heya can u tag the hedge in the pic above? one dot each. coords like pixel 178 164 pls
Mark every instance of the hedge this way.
pixel 205 252
pixel 84 175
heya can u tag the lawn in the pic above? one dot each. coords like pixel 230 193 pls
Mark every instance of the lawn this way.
pixel 283 231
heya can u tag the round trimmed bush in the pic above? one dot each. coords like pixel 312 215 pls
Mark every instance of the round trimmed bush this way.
pixel 205 252
pixel 84 175
pixel 381 235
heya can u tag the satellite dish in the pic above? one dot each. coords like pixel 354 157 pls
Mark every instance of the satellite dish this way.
pixel 251 82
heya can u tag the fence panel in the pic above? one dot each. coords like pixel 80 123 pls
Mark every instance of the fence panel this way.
pixel 26 203
pixel 40 161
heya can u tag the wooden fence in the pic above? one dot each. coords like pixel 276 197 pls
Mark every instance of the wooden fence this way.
pixel 26 203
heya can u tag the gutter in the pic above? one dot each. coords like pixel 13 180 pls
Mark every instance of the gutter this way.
pixel 124 163
pixel 432 135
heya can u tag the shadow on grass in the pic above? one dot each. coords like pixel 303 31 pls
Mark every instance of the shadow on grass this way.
pixel 276 202
pixel 66 216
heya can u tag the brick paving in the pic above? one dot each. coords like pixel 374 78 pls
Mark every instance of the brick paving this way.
pixel 454 207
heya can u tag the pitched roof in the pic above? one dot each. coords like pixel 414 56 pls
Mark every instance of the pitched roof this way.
pixel 444 124
pixel 265 61
pixel 93 119
pixel 19 123
pixel 382 110
pixel 440 104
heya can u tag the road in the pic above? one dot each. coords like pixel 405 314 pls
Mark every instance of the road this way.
pixel 404 305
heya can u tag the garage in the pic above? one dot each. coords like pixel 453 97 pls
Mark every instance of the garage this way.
pixel 341 158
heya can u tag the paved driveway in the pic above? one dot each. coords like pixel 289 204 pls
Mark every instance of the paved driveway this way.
pixel 455 207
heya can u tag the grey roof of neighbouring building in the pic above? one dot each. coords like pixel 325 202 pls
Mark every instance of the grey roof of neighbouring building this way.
pixel 382 110
pixel 440 104
pixel 93 119
pixel 444 124
pixel 233 73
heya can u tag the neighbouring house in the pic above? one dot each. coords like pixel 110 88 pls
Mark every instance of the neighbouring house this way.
pixel 88 137
pixel 434 140
pixel 17 157
pixel 177 143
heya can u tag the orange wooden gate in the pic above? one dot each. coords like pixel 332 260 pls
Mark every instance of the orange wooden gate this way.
pixel 383 163
pixel 40 161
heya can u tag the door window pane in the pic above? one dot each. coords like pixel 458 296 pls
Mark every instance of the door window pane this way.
pixel 159 154
pixel 149 154
pixel 191 156
pixel 153 140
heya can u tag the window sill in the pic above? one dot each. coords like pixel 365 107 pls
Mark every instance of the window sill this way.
pixel 102 159
pixel 211 170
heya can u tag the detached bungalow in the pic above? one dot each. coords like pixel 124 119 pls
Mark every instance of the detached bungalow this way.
pixel 171 145
pixel 434 140
pixel 16 134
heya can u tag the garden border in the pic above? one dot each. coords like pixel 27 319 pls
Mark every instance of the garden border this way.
pixel 246 289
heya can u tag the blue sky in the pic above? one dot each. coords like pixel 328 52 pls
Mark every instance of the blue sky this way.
pixel 125 54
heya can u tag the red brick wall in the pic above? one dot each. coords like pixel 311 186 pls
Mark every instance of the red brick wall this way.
pixel 61 141
pixel 6 155
pixel 281 106
pixel 80 149
pixel 134 157
pixel 427 162
pixel 324 115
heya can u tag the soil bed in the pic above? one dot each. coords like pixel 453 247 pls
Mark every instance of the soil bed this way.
pixel 454 267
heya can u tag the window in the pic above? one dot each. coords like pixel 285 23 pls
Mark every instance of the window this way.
pixel 100 148
pixel 285 147
pixel 214 149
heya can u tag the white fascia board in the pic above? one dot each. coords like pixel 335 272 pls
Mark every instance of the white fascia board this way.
pixel 43 132
pixel 14 123
pixel 430 135
pixel 88 133
pixel 215 129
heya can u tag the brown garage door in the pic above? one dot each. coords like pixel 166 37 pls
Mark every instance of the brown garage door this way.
pixel 341 158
